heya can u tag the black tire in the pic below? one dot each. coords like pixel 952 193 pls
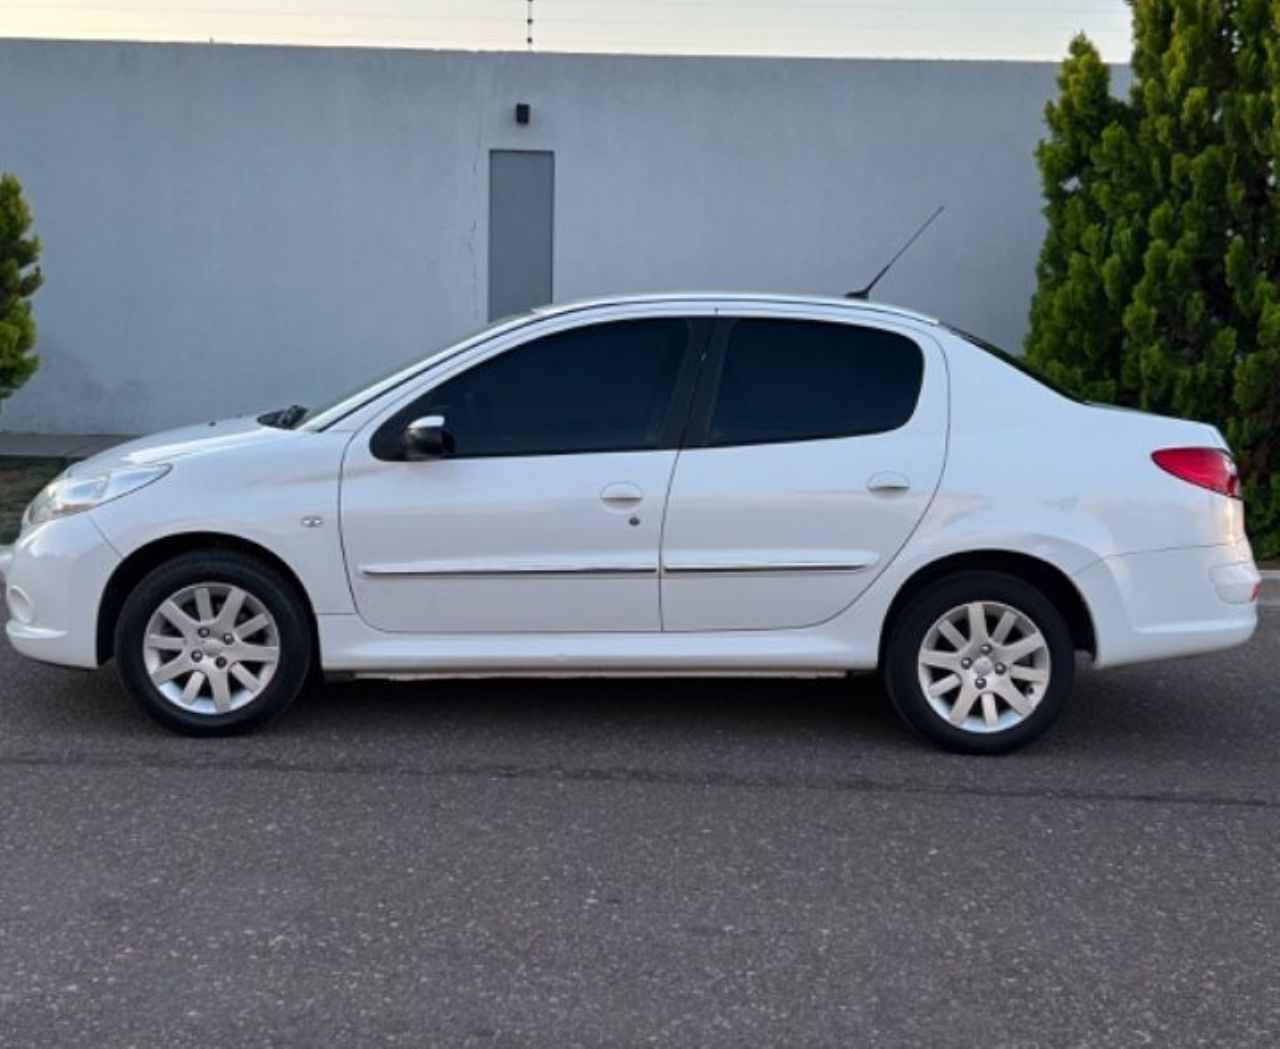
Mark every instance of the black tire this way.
pixel 902 674
pixel 272 591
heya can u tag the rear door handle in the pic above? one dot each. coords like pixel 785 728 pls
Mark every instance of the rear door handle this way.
pixel 888 481
pixel 621 496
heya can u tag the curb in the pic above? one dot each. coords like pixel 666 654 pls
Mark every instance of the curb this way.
pixel 1270 596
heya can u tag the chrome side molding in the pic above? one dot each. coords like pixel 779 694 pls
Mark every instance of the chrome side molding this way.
pixel 770 568
pixel 408 571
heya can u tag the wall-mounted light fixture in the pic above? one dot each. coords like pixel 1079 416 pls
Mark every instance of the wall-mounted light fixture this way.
pixel 522 112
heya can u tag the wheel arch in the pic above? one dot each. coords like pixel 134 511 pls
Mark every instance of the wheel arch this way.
pixel 129 572
pixel 1046 577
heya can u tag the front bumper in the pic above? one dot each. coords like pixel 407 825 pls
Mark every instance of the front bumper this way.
pixel 54 577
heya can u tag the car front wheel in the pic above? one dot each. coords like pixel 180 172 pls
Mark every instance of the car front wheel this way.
pixel 213 643
pixel 980 662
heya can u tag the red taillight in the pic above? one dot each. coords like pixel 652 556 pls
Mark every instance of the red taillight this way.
pixel 1210 468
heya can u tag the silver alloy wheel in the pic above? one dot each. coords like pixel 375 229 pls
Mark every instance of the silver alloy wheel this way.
pixel 211 648
pixel 984 666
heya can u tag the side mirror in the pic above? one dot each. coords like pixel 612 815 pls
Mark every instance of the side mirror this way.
pixel 427 438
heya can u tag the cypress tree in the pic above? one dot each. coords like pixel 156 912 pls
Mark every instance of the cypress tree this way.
pixel 1075 324
pixel 1159 278
pixel 19 279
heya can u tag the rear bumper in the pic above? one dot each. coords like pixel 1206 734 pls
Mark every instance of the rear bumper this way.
pixel 1168 603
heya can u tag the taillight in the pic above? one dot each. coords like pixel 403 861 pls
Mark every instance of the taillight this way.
pixel 1210 468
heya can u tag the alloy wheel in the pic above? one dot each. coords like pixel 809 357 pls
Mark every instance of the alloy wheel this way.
pixel 211 648
pixel 984 666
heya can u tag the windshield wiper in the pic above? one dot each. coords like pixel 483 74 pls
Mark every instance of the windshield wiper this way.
pixel 284 418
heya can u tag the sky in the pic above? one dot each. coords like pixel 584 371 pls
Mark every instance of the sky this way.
pixel 1007 29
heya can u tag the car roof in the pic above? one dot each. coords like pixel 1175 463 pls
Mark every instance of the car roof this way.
pixel 731 298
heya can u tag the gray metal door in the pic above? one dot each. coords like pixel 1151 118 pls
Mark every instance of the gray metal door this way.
pixel 521 220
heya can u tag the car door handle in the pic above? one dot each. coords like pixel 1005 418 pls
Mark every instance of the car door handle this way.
pixel 888 481
pixel 621 496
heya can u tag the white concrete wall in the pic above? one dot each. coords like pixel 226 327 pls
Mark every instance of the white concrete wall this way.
pixel 231 228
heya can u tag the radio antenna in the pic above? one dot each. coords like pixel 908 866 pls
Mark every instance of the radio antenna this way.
pixel 865 293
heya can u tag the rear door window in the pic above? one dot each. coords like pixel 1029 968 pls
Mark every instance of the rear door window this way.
pixel 787 380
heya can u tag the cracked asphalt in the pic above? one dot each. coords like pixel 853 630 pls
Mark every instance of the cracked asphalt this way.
pixel 593 863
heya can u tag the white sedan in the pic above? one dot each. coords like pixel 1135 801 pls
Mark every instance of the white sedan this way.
pixel 679 484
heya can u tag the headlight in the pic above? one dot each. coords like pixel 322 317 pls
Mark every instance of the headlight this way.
pixel 73 494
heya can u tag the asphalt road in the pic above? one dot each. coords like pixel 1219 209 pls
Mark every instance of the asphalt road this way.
pixel 715 863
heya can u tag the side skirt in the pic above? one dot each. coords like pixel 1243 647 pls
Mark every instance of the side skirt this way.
pixel 349 646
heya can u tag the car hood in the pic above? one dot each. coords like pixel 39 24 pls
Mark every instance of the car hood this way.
pixel 186 441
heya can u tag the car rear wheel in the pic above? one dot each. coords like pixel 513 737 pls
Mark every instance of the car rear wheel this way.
pixel 980 662
pixel 213 643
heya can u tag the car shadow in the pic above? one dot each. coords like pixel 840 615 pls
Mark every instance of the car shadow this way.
pixel 707 707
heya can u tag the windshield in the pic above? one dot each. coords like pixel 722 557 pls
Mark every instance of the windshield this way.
pixel 339 407
pixel 1016 363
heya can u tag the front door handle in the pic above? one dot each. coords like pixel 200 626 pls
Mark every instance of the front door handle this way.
pixel 621 496
pixel 888 481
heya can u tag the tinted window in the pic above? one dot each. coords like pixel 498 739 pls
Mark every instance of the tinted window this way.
pixel 800 380
pixel 602 388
